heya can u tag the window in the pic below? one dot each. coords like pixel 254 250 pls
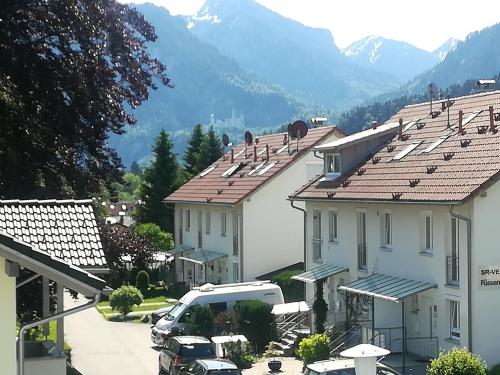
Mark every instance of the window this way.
pixel 436 143
pixel 333 226
pixel 265 169
pixel 236 272
pixel 316 235
pixel 208 223
pixel 200 229
pixel 207 170
pixel 188 220
pixel 406 151
pixel 181 225
pixel 428 232
pixel 386 228
pixel 362 240
pixel 414 303
pixel 452 264
pixel 223 224
pixel 332 163
pixel 454 319
pixel 236 237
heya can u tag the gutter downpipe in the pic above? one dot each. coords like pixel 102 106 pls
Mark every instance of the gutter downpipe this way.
pixel 305 223
pixel 469 274
pixel 63 314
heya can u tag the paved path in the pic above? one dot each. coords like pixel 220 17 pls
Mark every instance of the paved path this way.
pixel 289 366
pixel 101 347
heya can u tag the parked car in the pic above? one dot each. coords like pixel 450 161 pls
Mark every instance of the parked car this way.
pixel 219 298
pixel 342 367
pixel 160 313
pixel 217 366
pixel 181 351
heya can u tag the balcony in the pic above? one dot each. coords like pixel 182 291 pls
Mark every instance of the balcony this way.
pixel 316 246
pixel 452 270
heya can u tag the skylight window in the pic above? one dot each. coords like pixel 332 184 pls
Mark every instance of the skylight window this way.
pixel 266 168
pixel 261 151
pixel 256 169
pixel 436 143
pixel 406 151
pixel 239 153
pixel 207 170
pixel 471 117
pixel 232 170
pixel 281 149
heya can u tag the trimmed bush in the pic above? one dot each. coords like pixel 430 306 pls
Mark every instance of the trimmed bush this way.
pixel 314 348
pixel 457 361
pixel 293 290
pixel 255 321
pixel 201 321
pixel 320 308
pixel 123 298
pixel 142 281
pixel 154 292
pixel 177 289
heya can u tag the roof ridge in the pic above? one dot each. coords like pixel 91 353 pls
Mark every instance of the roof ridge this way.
pixel 46 201
pixel 454 98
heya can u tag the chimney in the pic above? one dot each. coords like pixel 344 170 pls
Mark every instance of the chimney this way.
pixel 460 119
pixel 374 124
pixel 400 133
pixel 254 153
pixel 285 139
pixel 232 156
pixel 267 152
pixel 492 119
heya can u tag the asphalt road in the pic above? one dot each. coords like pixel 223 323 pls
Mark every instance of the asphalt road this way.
pixel 104 348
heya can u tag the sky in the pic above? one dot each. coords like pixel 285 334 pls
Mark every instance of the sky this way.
pixel 424 23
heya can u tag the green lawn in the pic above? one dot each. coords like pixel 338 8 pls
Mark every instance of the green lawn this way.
pixel 158 300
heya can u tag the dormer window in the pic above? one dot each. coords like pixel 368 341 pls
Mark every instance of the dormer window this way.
pixel 332 165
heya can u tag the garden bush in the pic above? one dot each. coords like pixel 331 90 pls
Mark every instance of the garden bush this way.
pixel 255 321
pixel 154 292
pixel 123 298
pixel 142 281
pixel 495 370
pixel 201 321
pixel 457 361
pixel 314 348
pixel 320 308
pixel 177 290
pixel 293 290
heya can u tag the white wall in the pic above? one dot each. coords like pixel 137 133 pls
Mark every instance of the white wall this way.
pixel 7 322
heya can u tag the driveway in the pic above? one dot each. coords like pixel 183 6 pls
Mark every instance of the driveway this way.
pixel 104 348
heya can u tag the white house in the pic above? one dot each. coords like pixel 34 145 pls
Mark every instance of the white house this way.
pixel 233 222
pixel 405 233
pixel 51 240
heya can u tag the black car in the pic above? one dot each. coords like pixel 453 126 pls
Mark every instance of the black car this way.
pixel 181 351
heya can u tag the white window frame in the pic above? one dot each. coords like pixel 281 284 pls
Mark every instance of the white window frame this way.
pixel 333 226
pixel 316 240
pixel 362 261
pixel 333 164
pixel 454 319
pixel 223 224
pixel 188 220
pixel 208 222
pixel 428 232
pixel 386 229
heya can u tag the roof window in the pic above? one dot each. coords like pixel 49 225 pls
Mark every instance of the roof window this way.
pixel 266 168
pixel 281 149
pixel 406 151
pixel 232 170
pixel 471 117
pixel 239 153
pixel 256 169
pixel 436 143
pixel 207 170
pixel 332 165
pixel 261 151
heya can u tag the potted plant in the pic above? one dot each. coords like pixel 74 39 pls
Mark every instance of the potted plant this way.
pixel 273 353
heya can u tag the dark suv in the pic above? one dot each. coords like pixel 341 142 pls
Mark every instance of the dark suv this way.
pixel 180 351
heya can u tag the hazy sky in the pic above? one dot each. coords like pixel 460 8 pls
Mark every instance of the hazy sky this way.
pixel 424 23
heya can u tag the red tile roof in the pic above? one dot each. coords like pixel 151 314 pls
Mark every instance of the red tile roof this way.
pixel 217 189
pixel 454 171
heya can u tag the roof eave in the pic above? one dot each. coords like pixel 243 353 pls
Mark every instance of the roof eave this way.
pixel 391 201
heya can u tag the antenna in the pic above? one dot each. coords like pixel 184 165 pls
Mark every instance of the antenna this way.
pixel 225 140
pixel 248 141
pixel 433 91
pixel 298 130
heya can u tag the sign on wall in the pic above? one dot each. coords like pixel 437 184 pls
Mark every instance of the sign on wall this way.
pixel 489 276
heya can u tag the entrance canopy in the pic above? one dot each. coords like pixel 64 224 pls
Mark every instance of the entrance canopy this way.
pixel 179 249
pixel 318 273
pixel 202 256
pixel 390 288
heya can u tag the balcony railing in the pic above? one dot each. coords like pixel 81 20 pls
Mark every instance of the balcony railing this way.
pixel 316 245
pixel 362 256
pixel 452 270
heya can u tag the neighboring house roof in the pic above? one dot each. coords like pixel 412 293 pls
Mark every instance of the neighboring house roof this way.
pixel 120 208
pixel 211 186
pixel 40 262
pixel 444 166
pixel 65 229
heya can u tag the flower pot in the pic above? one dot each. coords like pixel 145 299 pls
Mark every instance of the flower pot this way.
pixel 274 365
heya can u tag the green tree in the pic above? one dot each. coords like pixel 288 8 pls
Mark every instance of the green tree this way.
pixel 124 298
pixel 161 178
pixel 210 150
pixel 192 153
pixel 255 321
pixel 142 280
pixel 68 70
pixel 159 238
pixel 457 361
pixel 320 308
pixel 136 169
pixel 201 321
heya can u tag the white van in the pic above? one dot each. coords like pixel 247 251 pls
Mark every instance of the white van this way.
pixel 219 298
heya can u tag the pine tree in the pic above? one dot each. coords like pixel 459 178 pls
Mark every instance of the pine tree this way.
pixel 210 150
pixel 192 152
pixel 161 178
pixel 136 169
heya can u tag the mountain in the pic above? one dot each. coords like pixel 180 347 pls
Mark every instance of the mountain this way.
pixel 445 48
pixel 209 88
pixel 403 60
pixel 303 60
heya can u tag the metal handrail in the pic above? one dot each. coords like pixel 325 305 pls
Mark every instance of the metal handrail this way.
pixel 345 336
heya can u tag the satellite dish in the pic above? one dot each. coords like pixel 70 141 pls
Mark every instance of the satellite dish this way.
pixel 292 131
pixel 301 129
pixel 248 138
pixel 433 90
pixel 225 139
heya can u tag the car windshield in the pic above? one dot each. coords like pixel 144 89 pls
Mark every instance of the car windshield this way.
pixel 197 350
pixel 344 371
pixel 225 372
pixel 175 311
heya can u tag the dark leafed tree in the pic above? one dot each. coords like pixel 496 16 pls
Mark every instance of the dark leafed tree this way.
pixel 210 150
pixel 136 169
pixel 161 178
pixel 68 68
pixel 192 153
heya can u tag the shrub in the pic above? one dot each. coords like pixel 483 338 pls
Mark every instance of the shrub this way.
pixel 177 289
pixel 201 321
pixel 314 348
pixel 255 321
pixel 320 308
pixel 226 322
pixel 123 298
pixel 142 280
pixel 154 292
pixel 495 370
pixel 241 358
pixel 293 290
pixel 457 362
